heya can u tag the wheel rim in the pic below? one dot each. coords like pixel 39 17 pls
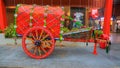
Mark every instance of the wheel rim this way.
pixel 38 43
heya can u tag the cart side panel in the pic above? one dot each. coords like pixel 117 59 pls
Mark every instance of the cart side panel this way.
pixel 23 19
pixel 52 18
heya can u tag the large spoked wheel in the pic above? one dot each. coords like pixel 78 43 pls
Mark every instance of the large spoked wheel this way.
pixel 38 42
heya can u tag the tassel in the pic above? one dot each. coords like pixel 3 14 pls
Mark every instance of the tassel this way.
pixel 107 48
pixel 95 49
pixel 86 43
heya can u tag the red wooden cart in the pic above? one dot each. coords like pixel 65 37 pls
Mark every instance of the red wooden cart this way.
pixel 40 26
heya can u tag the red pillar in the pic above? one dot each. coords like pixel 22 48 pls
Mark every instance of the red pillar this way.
pixel 107 15
pixel 3 22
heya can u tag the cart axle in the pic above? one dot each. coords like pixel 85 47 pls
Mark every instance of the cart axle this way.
pixel 37 42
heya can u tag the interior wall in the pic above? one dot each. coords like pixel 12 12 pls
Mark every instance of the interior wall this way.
pixel 66 3
pixel 116 10
pixel 10 16
pixel 72 3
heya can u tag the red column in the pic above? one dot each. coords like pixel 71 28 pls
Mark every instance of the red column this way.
pixel 107 15
pixel 3 22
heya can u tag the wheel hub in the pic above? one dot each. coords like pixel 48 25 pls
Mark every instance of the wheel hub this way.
pixel 37 42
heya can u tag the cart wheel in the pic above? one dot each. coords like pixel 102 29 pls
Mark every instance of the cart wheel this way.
pixel 38 42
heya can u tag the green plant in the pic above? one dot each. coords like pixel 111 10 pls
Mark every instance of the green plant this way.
pixel 88 28
pixel 0 31
pixel 78 23
pixel 98 32
pixel 65 30
pixel 9 31
pixel 75 29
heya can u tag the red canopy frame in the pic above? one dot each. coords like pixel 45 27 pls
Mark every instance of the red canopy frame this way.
pixel 107 15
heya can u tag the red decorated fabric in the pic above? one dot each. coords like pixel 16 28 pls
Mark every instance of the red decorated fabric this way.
pixel 39 12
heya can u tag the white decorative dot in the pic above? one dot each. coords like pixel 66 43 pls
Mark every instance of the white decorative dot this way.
pixel 44 21
pixel 32 11
pixel 45 14
pixel 62 19
pixel 44 26
pixel 31 17
pixel 63 7
pixel 15 15
pixel 61 25
pixel 47 6
pixel 61 32
pixel 34 4
pixel 30 24
pixel 18 5
pixel 15 26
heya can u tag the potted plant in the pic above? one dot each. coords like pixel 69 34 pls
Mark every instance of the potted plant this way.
pixel 9 31
pixel 0 31
pixel 99 34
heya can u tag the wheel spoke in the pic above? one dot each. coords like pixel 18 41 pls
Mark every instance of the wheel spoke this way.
pixel 45 37
pixel 31 39
pixel 33 36
pixel 32 47
pixel 41 34
pixel 35 50
pixel 37 35
pixel 46 45
pixel 39 51
pixel 49 45
pixel 43 50
pixel 49 41
pixel 29 44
